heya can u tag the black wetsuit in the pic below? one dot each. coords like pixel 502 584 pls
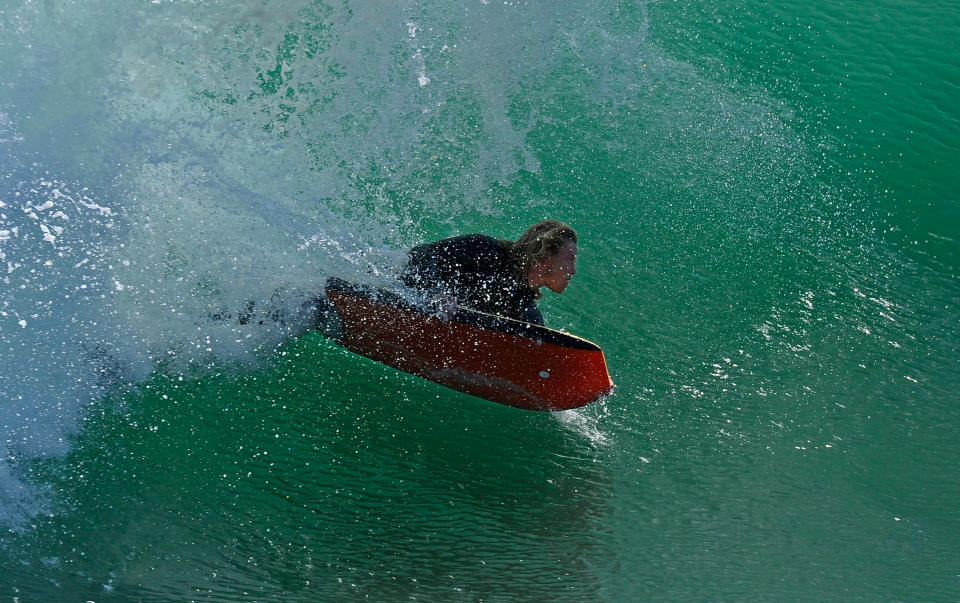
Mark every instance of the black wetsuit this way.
pixel 478 272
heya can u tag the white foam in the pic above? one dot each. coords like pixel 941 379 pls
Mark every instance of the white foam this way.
pixel 586 422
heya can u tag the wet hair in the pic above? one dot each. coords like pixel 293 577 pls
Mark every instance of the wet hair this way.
pixel 543 239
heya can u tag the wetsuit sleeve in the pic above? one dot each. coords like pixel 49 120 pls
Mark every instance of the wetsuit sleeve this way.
pixel 477 271
pixel 533 315
pixel 451 266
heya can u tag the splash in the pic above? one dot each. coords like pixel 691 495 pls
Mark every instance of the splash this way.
pixel 180 179
pixel 55 239
pixel 587 422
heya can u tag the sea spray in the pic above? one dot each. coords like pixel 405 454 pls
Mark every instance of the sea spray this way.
pixel 246 155
pixel 56 238
pixel 178 181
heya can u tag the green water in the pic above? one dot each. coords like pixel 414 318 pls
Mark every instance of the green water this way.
pixel 767 203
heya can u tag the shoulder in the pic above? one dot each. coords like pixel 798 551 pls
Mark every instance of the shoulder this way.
pixel 461 245
pixel 479 243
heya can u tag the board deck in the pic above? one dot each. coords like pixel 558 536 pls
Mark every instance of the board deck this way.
pixel 499 359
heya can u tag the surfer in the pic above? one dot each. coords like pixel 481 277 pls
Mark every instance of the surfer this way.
pixel 475 271
pixel 496 276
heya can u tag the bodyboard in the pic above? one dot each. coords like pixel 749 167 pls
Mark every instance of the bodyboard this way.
pixel 492 357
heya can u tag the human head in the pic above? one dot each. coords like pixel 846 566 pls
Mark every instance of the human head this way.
pixel 547 254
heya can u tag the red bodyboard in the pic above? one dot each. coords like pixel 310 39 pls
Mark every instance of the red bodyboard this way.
pixel 499 359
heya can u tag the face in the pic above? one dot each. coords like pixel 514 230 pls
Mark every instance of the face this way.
pixel 555 271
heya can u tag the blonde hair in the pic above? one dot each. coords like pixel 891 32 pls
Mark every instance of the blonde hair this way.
pixel 543 239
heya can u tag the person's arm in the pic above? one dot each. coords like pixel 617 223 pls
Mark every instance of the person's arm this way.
pixel 422 270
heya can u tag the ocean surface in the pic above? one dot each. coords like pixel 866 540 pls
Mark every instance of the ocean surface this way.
pixel 768 204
